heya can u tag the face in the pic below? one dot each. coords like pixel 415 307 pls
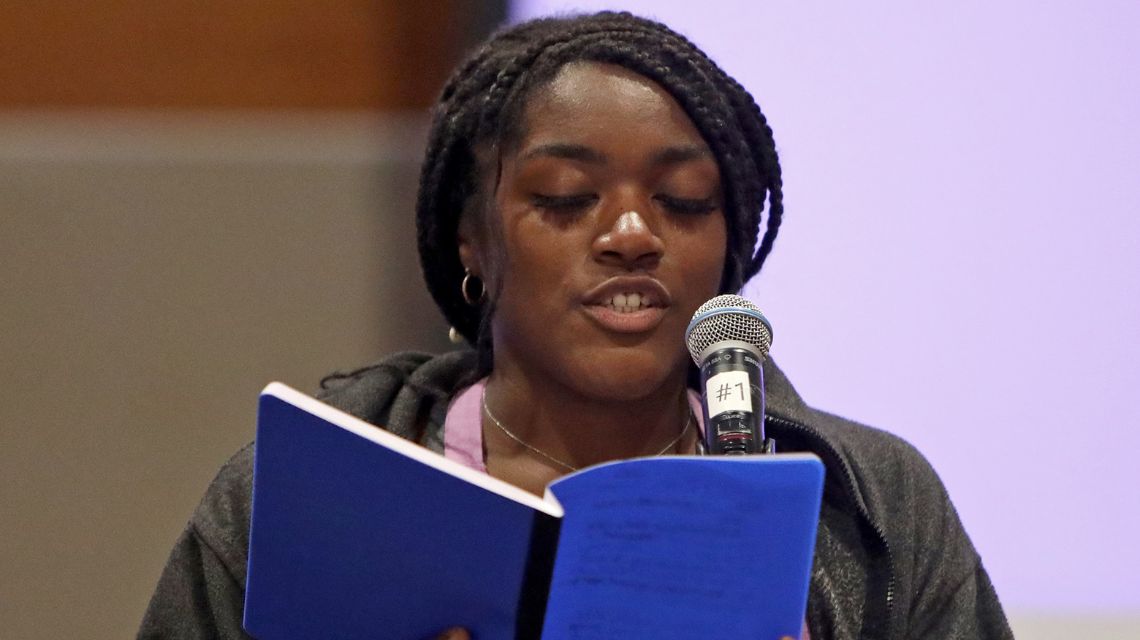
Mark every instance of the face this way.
pixel 604 235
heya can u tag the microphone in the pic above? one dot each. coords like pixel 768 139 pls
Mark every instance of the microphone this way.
pixel 728 339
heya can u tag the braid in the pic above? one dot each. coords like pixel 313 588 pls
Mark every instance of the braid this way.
pixel 481 105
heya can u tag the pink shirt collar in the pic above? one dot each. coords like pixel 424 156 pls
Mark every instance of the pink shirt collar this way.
pixel 463 426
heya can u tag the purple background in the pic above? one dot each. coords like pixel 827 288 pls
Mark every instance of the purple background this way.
pixel 960 256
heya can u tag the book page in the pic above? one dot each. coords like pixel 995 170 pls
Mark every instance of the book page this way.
pixel 685 548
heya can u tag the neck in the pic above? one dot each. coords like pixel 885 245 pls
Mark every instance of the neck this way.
pixel 579 430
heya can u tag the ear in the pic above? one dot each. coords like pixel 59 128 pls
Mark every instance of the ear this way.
pixel 470 248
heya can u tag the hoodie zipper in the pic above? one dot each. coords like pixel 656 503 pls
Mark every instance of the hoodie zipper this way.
pixel 848 480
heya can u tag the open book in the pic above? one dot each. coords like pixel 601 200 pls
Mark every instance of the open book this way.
pixel 357 533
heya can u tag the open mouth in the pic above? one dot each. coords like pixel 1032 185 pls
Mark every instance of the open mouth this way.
pixel 628 302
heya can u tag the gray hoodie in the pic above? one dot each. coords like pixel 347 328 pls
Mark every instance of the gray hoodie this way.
pixel 891 560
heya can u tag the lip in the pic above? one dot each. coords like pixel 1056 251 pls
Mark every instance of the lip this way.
pixel 594 302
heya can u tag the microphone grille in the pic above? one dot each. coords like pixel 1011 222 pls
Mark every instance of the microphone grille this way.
pixel 728 317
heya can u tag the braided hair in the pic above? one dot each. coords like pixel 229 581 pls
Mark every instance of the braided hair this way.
pixel 481 105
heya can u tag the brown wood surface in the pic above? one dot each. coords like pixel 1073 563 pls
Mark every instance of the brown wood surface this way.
pixel 307 54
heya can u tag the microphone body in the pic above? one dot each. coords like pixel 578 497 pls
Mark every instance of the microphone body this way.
pixel 732 394
pixel 728 339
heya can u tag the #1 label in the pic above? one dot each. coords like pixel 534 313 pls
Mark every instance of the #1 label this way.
pixel 728 391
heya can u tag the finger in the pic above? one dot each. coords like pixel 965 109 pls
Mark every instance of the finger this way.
pixel 455 633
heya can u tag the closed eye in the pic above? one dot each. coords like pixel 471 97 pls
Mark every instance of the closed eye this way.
pixel 564 204
pixel 687 205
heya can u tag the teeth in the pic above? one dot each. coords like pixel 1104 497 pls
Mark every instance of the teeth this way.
pixel 628 302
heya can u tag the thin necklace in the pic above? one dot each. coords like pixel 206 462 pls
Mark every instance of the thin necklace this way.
pixel 570 467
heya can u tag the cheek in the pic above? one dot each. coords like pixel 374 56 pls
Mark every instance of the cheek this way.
pixel 507 253
pixel 537 259
pixel 706 253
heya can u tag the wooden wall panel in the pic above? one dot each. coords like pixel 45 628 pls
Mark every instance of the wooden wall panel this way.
pixel 307 54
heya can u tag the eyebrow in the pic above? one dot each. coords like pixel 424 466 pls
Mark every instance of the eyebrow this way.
pixel 677 155
pixel 567 152
pixel 582 153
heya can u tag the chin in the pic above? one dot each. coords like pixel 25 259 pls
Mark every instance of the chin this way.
pixel 624 378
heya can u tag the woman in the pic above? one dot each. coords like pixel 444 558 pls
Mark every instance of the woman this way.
pixel 588 183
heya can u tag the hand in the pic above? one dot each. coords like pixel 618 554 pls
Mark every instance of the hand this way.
pixel 454 633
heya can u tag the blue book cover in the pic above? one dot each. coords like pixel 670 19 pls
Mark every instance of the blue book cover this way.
pixel 357 533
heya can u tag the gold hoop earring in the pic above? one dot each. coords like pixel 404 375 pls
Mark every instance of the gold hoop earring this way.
pixel 465 286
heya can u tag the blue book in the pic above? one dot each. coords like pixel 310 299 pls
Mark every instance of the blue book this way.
pixel 357 533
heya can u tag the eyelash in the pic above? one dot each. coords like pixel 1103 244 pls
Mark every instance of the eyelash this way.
pixel 573 204
pixel 694 206
pixel 564 204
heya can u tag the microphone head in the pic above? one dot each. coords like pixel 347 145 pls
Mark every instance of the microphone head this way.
pixel 728 317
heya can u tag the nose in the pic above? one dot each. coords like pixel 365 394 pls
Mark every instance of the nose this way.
pixel 629 243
